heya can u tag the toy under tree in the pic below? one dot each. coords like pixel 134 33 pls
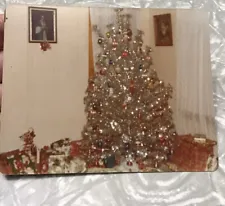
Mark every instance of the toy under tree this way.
pixel 128 114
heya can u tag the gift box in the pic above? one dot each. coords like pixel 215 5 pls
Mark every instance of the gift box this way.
pixel 61 146
pixel 61 151
pixel 191 153
pixel 56 164
pixel 17 162
pixel 5 167
pixel 75 148
pixel 43 161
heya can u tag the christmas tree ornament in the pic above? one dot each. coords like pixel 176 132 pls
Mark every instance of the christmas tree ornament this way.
pixel 125 54
pixel 108 34
pixel 129 32
pixel 100 162
pixel 129 163
pixel 117 70
pixel 131 88
pixel 114 43
pixel 102 72
pixel 100 41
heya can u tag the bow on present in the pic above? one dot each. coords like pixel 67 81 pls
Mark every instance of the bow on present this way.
pixel 45 46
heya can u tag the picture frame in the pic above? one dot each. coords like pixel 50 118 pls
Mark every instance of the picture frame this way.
pixel 42 25
pixel 163 30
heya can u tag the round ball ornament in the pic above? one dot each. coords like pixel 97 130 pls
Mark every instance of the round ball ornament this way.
pixel 100 41
pixel 129 32
pixel 117 70
pixel 108 35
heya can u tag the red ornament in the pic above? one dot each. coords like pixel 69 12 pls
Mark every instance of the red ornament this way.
pixel 139 115
pixel 102 72
pixel 46 147
pixel 141 166
pixel 45 46
pixel 125 54
pixel 132 86
pixel 124 105
pixel 162 139
pixel 114 44
pixel 129 163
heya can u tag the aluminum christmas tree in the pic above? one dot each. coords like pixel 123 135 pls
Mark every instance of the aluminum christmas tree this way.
pixel 128 114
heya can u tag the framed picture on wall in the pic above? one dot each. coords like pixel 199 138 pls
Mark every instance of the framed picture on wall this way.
pixel 42 25
pixel 163 30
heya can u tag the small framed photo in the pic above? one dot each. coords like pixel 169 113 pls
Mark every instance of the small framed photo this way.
pixel 163 30
pixel 42 25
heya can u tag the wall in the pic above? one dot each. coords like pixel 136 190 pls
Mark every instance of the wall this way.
pixel 44 90
pixel 164 57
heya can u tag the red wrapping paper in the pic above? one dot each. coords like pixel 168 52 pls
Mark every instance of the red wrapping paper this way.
pixel 191 156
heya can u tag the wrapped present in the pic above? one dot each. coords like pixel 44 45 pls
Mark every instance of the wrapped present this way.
pixel 212 163
pixel 18 162
pixel 191 153
pixel 61 146
pixel 57 157
pixel 65 164
pixel 43 160
pixel 56 164
pixel 75 148
pixel 44 155
pixel 75 165
pixel 5 168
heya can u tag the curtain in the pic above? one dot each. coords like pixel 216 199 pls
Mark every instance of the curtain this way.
pixel 194 96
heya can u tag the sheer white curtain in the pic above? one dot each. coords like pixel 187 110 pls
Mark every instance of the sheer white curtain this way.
pixel 194 100
pixel 104 16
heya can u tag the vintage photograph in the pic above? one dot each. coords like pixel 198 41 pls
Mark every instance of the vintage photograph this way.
pixel 163 30
pixel 42 25
pixel 116 102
